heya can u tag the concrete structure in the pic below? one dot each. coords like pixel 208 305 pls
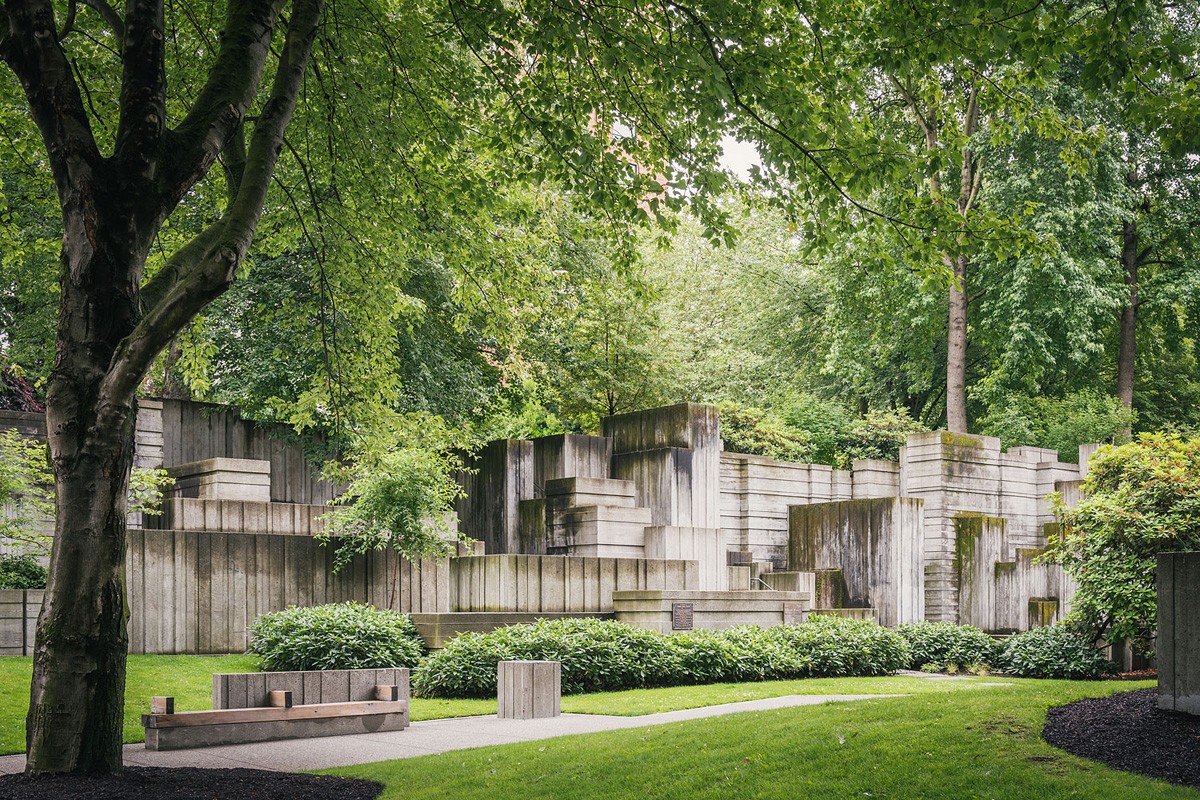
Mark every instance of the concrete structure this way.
pixel 951 531
pixel 875 546
pixel 307 687
pixel 1179 632
pixel 677 611
pixel 528 689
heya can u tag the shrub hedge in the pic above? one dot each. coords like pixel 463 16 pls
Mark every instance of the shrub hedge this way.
pixel 601 655
pixel 335 636
pixel 22 572
pixel 942 645
pixel 1054 651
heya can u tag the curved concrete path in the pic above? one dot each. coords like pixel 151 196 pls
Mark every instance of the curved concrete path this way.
pixel 428 737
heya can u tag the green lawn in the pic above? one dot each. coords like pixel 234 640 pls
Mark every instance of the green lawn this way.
pixel 951 742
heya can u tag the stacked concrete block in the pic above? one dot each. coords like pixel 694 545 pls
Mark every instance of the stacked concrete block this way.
pixel 498 478
pixel 792 581
pixel 877 544
pixel 528 689
pixel 705 546
pixel 872 478
pixel 1002 588
pixel 756 492
pixel 1179 632
pixel 594 517
pixel 676 611
pixel 238 516
pixel 148 434
pixel 569 455
pixel 223 479
pixel 673 456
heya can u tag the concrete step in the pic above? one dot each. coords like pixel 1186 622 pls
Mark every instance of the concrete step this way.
pixel 577 515
pixel 845 613
pixel 564 493
pixel 791 581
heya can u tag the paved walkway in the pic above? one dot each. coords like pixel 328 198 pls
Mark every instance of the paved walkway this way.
pixel 428 737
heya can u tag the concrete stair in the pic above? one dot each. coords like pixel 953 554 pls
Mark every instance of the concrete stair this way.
pixel 791 581
pixel 597 530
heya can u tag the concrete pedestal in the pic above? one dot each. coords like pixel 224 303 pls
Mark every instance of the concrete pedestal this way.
pixel 528 689
pixel 1179 632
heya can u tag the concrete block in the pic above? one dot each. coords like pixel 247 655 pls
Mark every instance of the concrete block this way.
pixel 528 689
pixel 1179 632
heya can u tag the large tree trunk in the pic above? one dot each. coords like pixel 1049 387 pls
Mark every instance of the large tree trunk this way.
pixel 1126 357
pixel 77 694
pixel 956 349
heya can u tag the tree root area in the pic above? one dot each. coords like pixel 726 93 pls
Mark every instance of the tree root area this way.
pixel 1128 732
pixel 186 783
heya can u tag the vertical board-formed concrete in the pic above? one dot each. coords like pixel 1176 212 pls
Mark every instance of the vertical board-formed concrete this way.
pixel 1179 632
pixel 308 687
pixel 876 544
pixel 528 689
pixel 498 478
pixel 673 455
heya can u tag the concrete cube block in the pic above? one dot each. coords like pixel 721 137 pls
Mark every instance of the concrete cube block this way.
pixel 528 689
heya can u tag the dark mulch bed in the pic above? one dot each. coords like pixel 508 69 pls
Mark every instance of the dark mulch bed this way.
pixel 1127 731
pixel 159 783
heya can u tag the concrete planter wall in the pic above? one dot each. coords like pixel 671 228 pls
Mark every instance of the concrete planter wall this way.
pixel 250 689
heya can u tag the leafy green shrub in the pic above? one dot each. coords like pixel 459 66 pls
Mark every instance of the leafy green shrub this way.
pixel 1054 651
pixel 757 432
pixel 1140 499
pixel 22 572
pixel 596 655
pixel 835 647
pixel 335 636
pixel 942 644
pixel 599 655
pixel 1062 423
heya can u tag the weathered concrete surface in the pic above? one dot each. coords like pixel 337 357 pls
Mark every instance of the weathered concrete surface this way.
pixel 671 612
pixel 528 689
pixel 876 543
pixel 223 479
pixel 559 583
pixel 19 609
pixel 182 738
pixel 251 689
pixel 1179 632
pixel 705 546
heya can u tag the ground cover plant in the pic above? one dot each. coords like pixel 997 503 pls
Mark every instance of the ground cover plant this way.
pixel 602 655
pixel 981 742
pixel 335 636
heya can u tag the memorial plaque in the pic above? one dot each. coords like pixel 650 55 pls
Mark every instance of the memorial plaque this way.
pixel 681 616
pixel 793 613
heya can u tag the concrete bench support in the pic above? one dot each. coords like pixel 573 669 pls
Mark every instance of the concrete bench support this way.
pixel 529 689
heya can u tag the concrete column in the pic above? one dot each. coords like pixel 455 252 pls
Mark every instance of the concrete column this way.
pixel 1179 632
pixel 528 689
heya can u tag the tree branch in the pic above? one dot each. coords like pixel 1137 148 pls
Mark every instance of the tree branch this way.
pixel 109 15
pixel 143 90
pixel 222 103
pixel 206 266
pixel 32 50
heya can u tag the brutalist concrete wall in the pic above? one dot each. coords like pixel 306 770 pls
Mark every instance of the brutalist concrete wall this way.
pixel 673 455
pixel 1179 632
pixel 876 543
pixel 499 477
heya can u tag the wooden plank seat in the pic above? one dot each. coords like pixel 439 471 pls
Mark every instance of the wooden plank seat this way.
pixel 167 729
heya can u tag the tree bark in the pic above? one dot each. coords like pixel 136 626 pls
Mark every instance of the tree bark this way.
pixel 956 348
pixel 1126 357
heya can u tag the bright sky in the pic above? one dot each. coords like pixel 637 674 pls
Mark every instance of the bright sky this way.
pixel 738 156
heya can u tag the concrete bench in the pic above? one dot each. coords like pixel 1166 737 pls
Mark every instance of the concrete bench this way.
pixel 528 689
pixel 260 707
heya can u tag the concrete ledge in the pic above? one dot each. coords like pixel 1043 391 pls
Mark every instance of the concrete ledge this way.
pixel 675 611
pixel 208 735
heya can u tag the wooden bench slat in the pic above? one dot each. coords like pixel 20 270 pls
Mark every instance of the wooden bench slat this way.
pixel 268 714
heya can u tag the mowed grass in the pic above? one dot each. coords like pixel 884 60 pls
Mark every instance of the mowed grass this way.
pixel 952 742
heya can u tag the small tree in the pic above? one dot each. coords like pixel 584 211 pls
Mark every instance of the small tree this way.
pixel 1141 499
